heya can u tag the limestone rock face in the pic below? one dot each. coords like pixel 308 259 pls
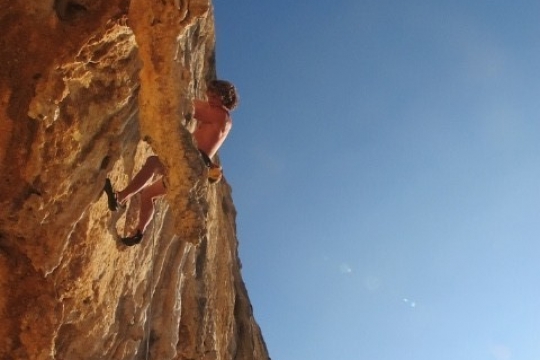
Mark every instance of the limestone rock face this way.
pixel 88 90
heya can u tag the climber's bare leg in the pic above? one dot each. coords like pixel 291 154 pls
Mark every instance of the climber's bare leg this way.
pixel 148 194
pixel 151 167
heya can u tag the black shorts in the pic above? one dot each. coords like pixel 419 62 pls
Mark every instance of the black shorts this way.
pixel 206 159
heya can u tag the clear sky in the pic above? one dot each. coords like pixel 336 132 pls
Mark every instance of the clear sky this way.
pixel 385 167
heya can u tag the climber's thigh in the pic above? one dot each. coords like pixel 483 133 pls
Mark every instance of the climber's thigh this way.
pixel 154 190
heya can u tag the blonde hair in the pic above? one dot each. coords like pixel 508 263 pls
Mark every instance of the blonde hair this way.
pixel 226 91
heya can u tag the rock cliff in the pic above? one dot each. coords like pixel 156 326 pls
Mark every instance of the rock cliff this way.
pixel 88 90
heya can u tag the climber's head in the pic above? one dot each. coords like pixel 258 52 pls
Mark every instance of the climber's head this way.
pixel 226 92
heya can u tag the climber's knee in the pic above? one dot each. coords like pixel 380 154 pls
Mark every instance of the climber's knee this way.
pixel 154 164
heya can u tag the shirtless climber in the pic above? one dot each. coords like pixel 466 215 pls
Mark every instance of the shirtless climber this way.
pixel 213 126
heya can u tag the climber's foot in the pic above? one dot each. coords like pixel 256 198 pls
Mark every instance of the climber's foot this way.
pixel 112 196
pixel 133 240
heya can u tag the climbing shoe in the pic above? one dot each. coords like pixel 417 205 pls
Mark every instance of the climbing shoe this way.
pixel 132 240
pixel 112 197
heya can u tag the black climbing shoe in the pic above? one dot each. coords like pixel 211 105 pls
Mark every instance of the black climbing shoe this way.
pixel 132 240
pixel 111 196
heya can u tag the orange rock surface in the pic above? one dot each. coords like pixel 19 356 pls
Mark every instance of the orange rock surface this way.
pixel 89 89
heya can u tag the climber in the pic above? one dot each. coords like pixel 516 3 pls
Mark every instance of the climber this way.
pixel 213 125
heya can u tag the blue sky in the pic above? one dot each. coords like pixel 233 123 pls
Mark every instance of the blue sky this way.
pixel 384 165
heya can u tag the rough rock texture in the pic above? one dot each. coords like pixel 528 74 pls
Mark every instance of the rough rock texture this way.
pixel 89 89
